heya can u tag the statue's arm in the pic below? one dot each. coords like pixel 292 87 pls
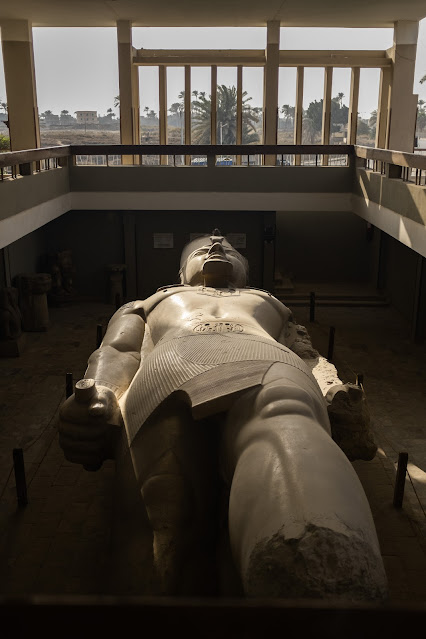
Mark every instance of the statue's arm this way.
pixel 90 420
pixel 116 361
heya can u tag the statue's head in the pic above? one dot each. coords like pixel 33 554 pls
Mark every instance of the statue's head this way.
pixel 212 261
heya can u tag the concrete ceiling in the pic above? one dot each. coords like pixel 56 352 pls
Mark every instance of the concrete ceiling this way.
pixel 220 13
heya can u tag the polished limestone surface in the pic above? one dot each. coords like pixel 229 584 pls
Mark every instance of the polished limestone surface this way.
pixel 60 542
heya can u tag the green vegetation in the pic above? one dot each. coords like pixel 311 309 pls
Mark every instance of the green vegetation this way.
pixel 4 143
pixel 226 116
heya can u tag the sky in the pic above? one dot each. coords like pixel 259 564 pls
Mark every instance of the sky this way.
pixel 76 68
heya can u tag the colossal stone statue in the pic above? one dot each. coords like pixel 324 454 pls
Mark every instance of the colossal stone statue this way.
pixel 228 430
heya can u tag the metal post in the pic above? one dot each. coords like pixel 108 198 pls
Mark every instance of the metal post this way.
pixel 68 385
pixel 331 343
pixel 99 335
pixel 398 494
pixel 21 483
pixel 312 307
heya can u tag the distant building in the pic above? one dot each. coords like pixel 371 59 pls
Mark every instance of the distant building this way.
pixel 87 117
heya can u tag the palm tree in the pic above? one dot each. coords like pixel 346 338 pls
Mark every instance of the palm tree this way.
pixel 373 119
pixel 423 79
pixel 226 117
pixel 3 105
pixel 308 130
pixel 340 97
pixel 116 101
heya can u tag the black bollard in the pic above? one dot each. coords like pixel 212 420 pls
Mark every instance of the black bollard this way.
pixel 312 307
pixel 21 483
pixel 68 385
pixel 331 343
pixel 99 335
pixel 398 494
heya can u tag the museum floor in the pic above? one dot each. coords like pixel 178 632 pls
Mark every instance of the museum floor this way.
pixel 59 543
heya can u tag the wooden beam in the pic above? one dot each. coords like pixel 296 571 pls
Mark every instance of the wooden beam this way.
pixel 162 83
pixel 353 106
pixel 298 114
pixel 213 101
pixel 326 110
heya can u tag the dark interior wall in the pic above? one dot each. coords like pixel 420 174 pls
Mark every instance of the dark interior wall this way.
pixel 159 266
pixel 96 240
pixel 26 254
pixel 325 246
pixel 399 275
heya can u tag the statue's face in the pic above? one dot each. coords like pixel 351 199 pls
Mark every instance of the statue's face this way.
pixel 215 265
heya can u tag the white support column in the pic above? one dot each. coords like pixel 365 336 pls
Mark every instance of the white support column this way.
pixel 382 125
pixel 128 80
pixel 326 110
pixel 162 83
pixel 298 114
pixel 353 106
pixel 403 104
pixel 270 92
pixel 18 59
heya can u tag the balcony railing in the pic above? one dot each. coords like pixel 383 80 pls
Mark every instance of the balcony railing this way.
pixel 21 163
pixel 395 164
pixel 409 167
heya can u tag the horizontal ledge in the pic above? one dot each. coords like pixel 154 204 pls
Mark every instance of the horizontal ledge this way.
pixel 400 158
pixel 253 57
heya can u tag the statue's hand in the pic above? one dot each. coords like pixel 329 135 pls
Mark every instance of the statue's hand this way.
pixel 90 425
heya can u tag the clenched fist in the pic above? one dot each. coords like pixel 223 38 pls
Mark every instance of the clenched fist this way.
pixel 90 424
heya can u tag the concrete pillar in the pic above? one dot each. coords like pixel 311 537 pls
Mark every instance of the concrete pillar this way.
pixel 18 59
pixel 353 106
pixel 270 91
pixel 128 79
pixel 403 103
pixel 382 126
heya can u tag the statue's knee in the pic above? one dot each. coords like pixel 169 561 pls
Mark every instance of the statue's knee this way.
pixel 167 499
pixel 281 399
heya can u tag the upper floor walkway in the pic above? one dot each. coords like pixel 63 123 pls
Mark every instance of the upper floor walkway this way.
pixel 386 188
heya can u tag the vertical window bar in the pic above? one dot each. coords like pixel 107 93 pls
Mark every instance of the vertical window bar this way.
pixel 298 116
pixel 326 110
pixel 239 132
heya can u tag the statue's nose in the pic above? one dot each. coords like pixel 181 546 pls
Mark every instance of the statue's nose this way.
pixel 216 247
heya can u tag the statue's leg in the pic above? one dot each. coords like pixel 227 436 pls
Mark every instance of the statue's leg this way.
pixel 175 469
pixel 299 521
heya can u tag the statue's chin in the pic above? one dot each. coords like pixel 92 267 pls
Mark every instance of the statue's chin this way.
pixel 217 272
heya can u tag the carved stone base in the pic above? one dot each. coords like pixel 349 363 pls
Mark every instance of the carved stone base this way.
pixel 12 347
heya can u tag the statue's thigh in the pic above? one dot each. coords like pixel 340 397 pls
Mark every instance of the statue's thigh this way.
pixel 172 449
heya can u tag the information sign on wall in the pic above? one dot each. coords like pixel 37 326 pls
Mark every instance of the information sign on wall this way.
pixel 163 240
